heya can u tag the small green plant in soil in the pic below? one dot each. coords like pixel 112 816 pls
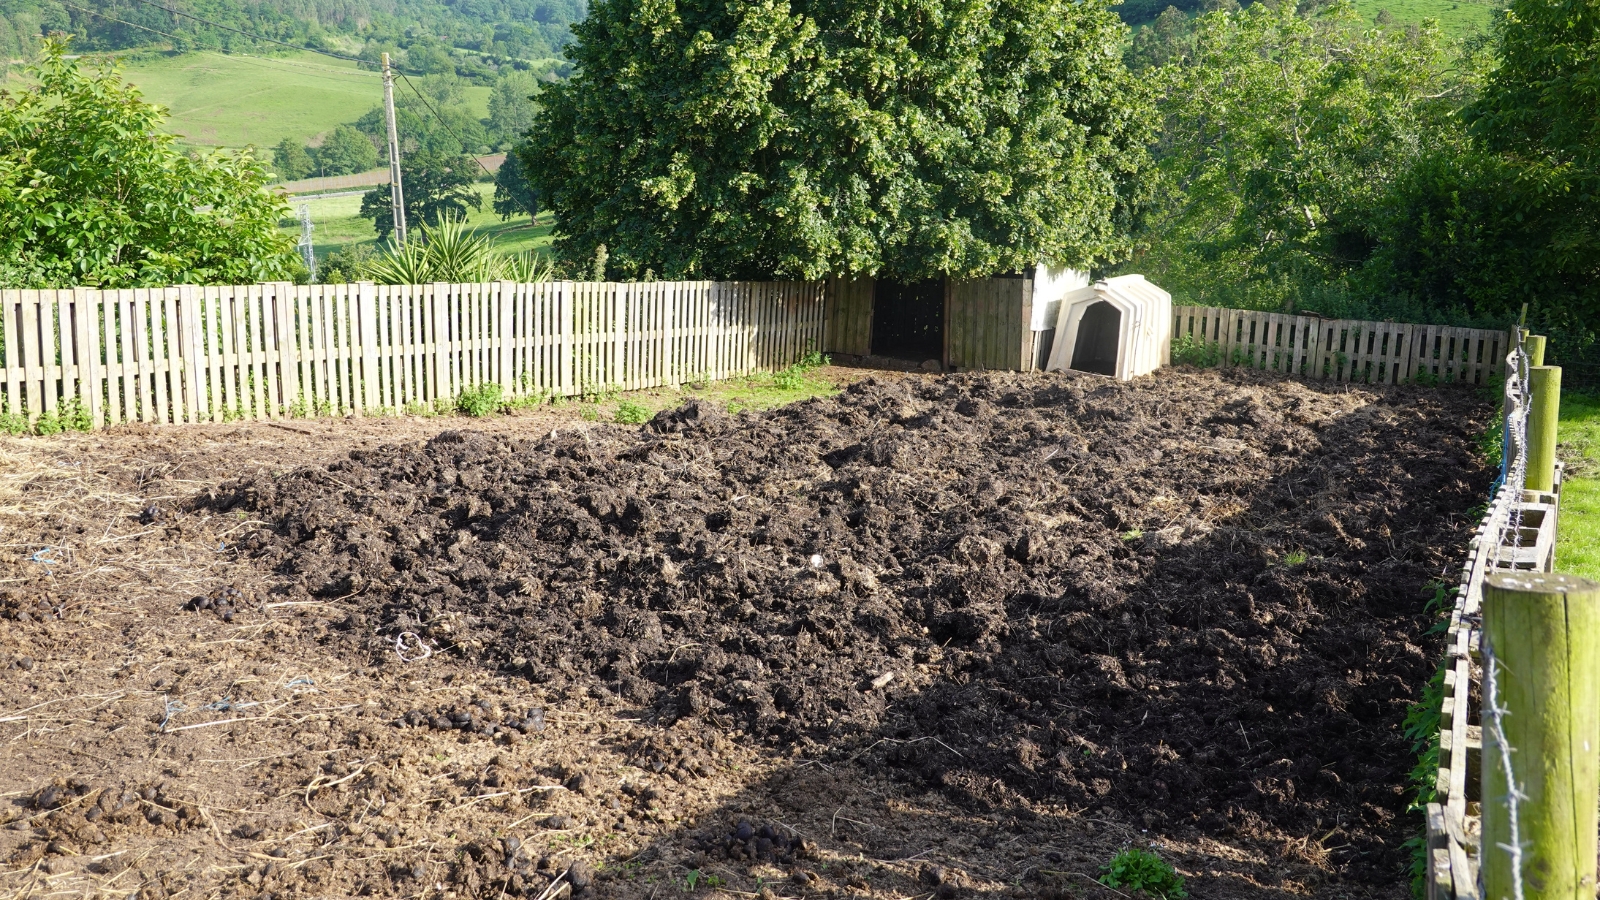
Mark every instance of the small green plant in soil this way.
pixel 631 413
pixel 70 416
pixel 481 399
pixel 1141 870
pixel 1295 558
pixel 10 422
pixel 1133 534
pixel 1188 350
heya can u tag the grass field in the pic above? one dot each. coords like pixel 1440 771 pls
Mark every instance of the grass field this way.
pixel 1457 18
pixel 335 225
pixel 1578 543
pixel 229 100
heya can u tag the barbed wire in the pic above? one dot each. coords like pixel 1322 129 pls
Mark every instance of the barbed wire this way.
pixel 1513 481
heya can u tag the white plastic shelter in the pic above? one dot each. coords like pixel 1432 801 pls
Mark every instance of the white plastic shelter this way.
pixel 1121 327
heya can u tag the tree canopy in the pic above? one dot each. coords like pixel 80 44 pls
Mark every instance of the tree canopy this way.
pixel 907 138
pixel 437 188
pixel 1281 133
pixel 92 194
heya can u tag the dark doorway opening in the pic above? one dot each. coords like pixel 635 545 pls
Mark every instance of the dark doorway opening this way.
pixel 1097 344
pixel 908 320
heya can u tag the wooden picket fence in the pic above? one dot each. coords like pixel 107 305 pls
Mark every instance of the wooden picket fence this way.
pixel 1343 349
pixel 206 354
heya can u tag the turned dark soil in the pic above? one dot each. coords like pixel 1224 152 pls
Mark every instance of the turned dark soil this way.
pixel 1192 602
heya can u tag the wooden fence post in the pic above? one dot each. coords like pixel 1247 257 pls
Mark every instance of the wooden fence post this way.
pixel 1542 635
pixel 1534 345
pixel 1545 409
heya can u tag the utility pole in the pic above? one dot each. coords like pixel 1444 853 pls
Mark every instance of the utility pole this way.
pixel 307 250
pixel 397 197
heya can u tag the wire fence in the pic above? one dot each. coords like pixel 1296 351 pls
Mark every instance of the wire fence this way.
pixel 1514 479
pixel 1516 534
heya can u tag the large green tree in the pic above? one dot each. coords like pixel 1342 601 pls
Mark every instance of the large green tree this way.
pixel 437 188
pixel 908 138
pixel 511 108
pixel 346 151
pixel 1283 133
pixel 1506 211
pixel 513 195
pixel 93 194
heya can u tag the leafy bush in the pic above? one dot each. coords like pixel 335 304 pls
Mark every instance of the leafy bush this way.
pixel 1188 350
pixel 70 416
pixel 631 413
pixel 95 193
pixel 1141 870
pixel 481 400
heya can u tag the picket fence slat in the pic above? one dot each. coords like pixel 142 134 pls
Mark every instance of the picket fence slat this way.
pixel 192 354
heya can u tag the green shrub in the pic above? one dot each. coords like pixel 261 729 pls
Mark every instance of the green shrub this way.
pixel 631 413
pixel 70 416
pixel 481 399
pixel 10 422
pixel 1188 350
pixel 1141 870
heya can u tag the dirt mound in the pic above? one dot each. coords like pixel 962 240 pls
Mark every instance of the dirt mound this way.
pixel 1196 599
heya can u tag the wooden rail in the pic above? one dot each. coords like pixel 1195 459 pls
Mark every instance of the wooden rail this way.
pixel 1343 349
pixel 203 354
pixel 1453 819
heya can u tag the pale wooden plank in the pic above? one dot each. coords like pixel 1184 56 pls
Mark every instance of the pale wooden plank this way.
pixel 666 364
pixel 366 332
pixel 119 344
pixel 266 310
pixel 171 392
pixel 286 306
pixel 33 348
pixel 11 310
pixel 138 343
pixel 59 388
pixel 320 324
pixel 107 354
pixel 190 356
pixel 87 372
pixel 404 297
pixel 514 325
pixel 225 305
pixel 562 304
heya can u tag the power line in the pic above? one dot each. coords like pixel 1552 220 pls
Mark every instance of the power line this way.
pixel 446 125
pixel 124 22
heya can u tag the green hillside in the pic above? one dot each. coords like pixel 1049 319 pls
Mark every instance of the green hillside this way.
pixel 230 101
pixel 224 100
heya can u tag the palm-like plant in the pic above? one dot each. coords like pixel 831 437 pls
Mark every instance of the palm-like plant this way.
pixel 451 253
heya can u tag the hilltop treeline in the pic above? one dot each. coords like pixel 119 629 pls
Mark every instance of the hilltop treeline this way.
pixel 470 38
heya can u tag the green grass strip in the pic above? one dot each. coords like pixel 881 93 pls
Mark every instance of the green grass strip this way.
pixel 1578 538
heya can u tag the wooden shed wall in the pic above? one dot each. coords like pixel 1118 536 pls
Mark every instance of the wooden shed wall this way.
pixel 987 323
pixel 847 317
